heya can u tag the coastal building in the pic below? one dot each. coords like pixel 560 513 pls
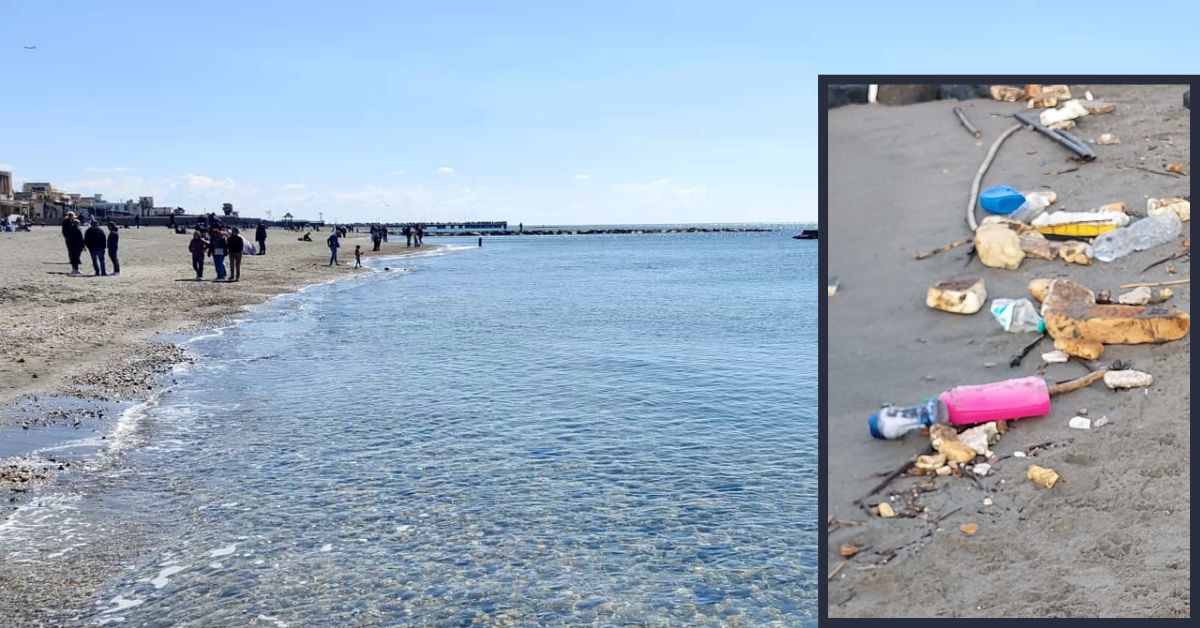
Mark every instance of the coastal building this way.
pixel 5 185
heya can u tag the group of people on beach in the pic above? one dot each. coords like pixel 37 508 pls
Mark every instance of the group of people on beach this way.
pixel 413 235
pixel 95 241
pixel 222 243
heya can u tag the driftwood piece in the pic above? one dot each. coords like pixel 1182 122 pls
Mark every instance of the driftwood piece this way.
pixel 892 475
pixel 952 245
pixel 1079 382
pixel 1154 284
pixel 962 117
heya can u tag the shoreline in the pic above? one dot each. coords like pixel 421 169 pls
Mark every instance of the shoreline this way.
pixel 71 391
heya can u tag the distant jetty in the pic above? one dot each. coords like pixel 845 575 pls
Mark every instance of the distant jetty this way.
pixel 807 234
pixel 604 231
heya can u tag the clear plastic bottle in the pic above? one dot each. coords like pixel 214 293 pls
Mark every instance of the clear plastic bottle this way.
pixel 1141 235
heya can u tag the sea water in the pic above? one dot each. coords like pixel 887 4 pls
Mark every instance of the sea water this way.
pixel 564 430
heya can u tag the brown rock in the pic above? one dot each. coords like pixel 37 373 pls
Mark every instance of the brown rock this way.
pixel 1063 293
pixel 848 550
pixel 1086 349
pixel 1043 477
pixel 1116 324
pixel 886 511
pixel 969 529
pixel 1007 93
pixel 1098 106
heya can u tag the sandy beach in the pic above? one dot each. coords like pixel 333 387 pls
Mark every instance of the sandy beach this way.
pixel 93 337
pixel 1112 538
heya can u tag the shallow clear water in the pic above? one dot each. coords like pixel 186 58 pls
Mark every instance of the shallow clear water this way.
pixel 544 430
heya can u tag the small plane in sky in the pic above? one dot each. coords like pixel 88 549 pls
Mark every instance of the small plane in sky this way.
pixel 30 47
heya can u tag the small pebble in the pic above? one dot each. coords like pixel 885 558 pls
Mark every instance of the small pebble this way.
pixel 1019 454
pixel 1083 412
pixel 1102 421
pixel 1080 423
pixel 987 501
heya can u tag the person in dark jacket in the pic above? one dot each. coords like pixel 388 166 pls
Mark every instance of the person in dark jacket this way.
pixel 113 238
pixel 74 239
pixel 96 242
pixel 334 242
pixel 236 246
pixel 197 247
pixel 260 236
pixel 217 248
pixel 408 234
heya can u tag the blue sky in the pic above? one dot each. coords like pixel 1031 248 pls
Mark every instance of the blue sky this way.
pixel 541 112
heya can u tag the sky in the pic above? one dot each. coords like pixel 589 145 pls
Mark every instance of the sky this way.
pixel 534 112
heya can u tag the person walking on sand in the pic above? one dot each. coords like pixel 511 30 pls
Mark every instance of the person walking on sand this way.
pixel 198 246
pixel 113 238
pixel 333 243
pixel 74 239
pixel 236 246
pixel 358 256
pixel 260 236
pixel 96 242
pixel 217 247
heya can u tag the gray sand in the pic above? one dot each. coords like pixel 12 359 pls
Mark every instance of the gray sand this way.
pixel 1111 539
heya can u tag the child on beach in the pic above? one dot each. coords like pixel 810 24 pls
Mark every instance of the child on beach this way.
pixel 358 256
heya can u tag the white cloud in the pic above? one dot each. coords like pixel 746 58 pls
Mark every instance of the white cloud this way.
pixel 445 170
pixel 107 169
pixel 199 182
pixel 292 186
pixel 6 167
pixel 582 177
pixel 663 192
pixel 397 173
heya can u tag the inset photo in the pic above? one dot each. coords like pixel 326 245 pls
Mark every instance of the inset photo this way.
pixel 1007 347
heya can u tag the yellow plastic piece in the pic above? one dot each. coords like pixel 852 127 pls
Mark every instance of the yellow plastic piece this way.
pixel 1078 229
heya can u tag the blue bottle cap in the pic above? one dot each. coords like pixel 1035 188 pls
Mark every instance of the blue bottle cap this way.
pixel 873 425
pixel 1001 199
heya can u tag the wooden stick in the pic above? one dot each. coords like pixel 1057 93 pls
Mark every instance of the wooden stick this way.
pixel 1151 170
pixel 1076 384
pixel 1165 260
pixel 962 117
pixel 931 253
pixel 1016 359
pixel 1155 284
pixel 836 570
pixel 861 501
pixel 983 168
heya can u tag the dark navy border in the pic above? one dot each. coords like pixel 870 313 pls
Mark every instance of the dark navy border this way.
pixel 823 82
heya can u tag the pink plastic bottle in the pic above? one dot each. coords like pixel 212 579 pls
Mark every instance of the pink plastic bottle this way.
pixel 999 401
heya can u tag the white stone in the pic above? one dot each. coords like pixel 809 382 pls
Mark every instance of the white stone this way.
pixel 1100 422
pixel 1080 423
pixel 1127 379
pixel 1018 454
pixel 982 469
pixel 1055 357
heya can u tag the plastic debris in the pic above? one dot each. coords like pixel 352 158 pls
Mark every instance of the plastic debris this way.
pixel 1055 357
pixel 965 295
pixel 1137 296
pixel 1080 423
pixel 1180 206
pixel 1127 379
pixel 1100 422
pixel 1141 235
pixel 1017 315
pixel 1042 476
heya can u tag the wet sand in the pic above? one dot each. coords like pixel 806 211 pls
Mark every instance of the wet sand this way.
pixel 1111 538
pixel 90 337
